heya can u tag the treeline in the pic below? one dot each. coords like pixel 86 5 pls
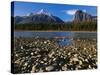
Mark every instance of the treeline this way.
pixel 71 26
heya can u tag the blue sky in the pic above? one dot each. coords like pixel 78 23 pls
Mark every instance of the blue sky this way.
pixel 63 11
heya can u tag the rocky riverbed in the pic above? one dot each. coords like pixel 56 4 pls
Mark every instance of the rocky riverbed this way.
pixel 45 55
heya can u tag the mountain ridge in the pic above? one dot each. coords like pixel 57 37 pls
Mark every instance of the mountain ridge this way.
pixel 39 17
pixel 81 16
pixel 45 17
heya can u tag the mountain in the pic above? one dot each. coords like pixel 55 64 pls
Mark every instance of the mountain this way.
pixel 94 18
pixel 40 17
pixel 42 11
pixel 18 19
pixel 81 16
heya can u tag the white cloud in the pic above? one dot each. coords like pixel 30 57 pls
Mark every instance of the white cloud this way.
pixel 72 12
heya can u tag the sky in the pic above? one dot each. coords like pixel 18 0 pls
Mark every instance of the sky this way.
pixel 64 11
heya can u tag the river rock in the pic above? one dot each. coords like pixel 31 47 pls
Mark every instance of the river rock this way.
pixel 33 69
pixel 49 68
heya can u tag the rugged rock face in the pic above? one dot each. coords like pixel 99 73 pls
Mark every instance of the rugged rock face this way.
pixel 81 16
pixel 94 18
pixel 39 17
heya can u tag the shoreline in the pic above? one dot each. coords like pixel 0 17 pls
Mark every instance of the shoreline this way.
pixel 50 31
pixel 82 52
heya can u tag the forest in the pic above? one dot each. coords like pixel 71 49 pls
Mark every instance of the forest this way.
pixel 70 26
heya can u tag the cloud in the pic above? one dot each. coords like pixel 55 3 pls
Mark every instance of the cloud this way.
pixel 72 12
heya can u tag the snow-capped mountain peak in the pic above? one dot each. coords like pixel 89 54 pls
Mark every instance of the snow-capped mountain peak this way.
pixel 42 11
pixel 41 16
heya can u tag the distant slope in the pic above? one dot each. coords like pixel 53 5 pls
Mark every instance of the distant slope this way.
pixel 39 17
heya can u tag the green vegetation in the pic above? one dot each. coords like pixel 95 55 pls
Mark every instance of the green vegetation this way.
pixel 72 26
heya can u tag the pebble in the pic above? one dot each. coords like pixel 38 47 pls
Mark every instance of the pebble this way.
pixel 75 55
pixel 32 53
pixel 17 61
pixel 26 64
pixel 54 55
pixel 41 70
pixel 33 69
pixel 69 53
pixel 49 68
pixel 45 59
pixel 54 59
pixel 80 62
pixel 41 62
pixel 45 42
pixel 74 59
pixel 22 47
pixel 50 55
pixel 35 42
pixel 84 48
pixel 64 68
pixel 16 55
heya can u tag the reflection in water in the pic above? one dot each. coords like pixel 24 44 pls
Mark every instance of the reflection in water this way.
pixel 63 42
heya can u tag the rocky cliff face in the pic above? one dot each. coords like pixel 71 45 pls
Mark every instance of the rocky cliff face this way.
pixel 81 16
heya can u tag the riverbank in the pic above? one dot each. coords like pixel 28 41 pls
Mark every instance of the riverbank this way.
pixel 45 55
pixel 50 31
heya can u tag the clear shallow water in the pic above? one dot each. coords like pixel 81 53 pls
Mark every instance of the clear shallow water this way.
pixel 63 38
pixel 42 34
